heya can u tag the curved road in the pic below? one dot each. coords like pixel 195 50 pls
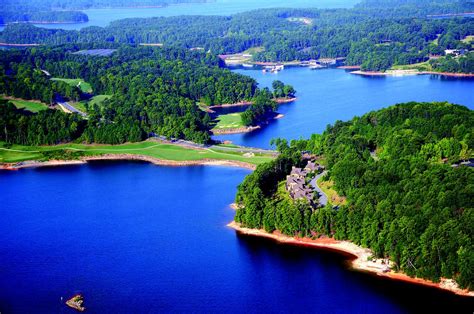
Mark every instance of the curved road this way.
pixel 323 198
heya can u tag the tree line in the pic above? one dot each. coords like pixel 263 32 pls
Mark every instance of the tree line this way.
pixel 408 199
pixel 153 90
pixel 373 36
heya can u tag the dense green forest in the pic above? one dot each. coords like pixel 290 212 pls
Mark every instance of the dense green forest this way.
pixel 65 11
pixel 372 35
pixel 15 16
pixel 464 64
pixel 407 197
pixel 153 90
pixel 28 5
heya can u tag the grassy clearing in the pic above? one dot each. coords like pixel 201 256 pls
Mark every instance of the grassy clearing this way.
pixel 302 20
pixel 17 153
pixel 254 50
pixel 229 121
pixel 29 105
pixel 81 106
pixel 96 100
pixel 422 66
pixel 436 40
pixel 468 39
pixel 328 188
pixel 84 86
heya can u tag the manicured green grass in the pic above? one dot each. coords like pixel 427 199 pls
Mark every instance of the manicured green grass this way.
pixel 84 104
pixel 29 105
pixel 84 86
pixel 81 105
pixel 436 40
pixel 98 100
pixel 254 50
pixel 229 121
pixel 422 66
pixel 468 39
pixel 17 153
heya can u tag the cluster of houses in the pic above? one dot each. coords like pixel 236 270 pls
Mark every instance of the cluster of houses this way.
pixel 451 52
pixel 296 182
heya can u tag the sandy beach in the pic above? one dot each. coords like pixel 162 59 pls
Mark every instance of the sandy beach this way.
pixel 360 257
pixel 155 161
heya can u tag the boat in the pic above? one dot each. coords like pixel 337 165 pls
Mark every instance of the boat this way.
pixel 316 67
pixel 247 65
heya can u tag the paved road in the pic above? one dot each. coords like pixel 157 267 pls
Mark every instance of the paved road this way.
pixel 323 198
pixel 70 108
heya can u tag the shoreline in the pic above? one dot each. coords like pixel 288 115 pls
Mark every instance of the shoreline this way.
pixel 236 130
pixel 349 67
pixel 359 259
pixel 411 72
pixel 128 157
pixel 247 129
pixel 19 45
pixel 248 103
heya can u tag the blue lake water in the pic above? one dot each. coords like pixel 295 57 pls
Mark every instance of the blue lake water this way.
pixel 102 17
pixel 139 238
pixel 325 96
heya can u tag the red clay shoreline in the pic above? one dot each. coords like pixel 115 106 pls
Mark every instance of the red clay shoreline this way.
pixel 130 157
pixel 241 130
pixel 248 103
pixel 413 72
pixel 358 257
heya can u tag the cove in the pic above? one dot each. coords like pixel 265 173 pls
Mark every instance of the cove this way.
pixel 325 96
pixel 102 17
pixel 138 238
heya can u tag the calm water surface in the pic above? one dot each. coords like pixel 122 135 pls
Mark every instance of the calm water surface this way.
pixel 102 17
pixel 138 238
pixel 325 96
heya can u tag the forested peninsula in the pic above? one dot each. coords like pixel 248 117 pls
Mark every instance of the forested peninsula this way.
pixel 141 92
pixel 47 12
pixel 401 189
pixel 374 35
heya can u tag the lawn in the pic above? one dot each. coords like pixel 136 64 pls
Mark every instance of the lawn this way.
pixel 29 105
pixel 229 121
pixel 254 50
pixel 96 100
pixel 436 40
pixel 84 86
pixel 422 66
pixel 17 153
pixel 468 39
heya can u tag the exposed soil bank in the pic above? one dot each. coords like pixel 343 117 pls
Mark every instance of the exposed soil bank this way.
pixel 361 257
pixel 247 129
pixel 153 160
pixel 412 72
pixel 248 103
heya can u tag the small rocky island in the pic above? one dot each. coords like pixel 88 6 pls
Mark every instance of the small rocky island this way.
pixel 76 302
